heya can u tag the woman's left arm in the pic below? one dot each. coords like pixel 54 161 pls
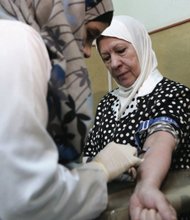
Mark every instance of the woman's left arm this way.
pixel 147 201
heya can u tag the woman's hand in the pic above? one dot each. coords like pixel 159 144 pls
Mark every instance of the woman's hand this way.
pixel 149 203
pixel 115 159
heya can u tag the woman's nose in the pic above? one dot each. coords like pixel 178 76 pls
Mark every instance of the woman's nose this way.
pixel 115 62
pixel 87 51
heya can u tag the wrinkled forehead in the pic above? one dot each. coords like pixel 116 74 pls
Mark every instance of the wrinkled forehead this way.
pixel 128 29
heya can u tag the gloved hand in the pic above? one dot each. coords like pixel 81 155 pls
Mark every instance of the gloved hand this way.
pixel 116 159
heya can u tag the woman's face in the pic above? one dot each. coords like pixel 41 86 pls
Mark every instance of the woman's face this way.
pixel 93 30
pixel 120 59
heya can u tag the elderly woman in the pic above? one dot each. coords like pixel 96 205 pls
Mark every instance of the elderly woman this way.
pixel 147 111
pixel 44 42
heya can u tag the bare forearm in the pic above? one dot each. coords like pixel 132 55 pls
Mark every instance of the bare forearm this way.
pixel 147 196
pixel 157 159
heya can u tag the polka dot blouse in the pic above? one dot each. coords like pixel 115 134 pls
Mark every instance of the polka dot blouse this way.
pixel 168 98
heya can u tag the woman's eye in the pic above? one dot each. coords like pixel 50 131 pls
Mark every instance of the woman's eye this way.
pixel 89 37
pixel 121 50
pixel 105 58
pixel 92 35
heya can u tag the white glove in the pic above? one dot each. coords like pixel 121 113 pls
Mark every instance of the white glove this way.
pixel 116 159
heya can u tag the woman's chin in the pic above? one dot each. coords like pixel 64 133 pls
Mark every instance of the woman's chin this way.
pixel 125 84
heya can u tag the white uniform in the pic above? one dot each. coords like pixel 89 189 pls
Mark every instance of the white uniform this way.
pixel 33 186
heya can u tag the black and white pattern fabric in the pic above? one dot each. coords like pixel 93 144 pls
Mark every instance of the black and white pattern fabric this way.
pixel 121 113
pixel 168 99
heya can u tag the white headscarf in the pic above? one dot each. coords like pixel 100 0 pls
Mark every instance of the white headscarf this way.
pixel 127 28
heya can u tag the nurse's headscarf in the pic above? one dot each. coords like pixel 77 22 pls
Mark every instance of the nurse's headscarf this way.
pixel 129 29
pixel 61 25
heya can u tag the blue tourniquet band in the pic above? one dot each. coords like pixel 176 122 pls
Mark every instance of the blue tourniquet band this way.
pixel 148 123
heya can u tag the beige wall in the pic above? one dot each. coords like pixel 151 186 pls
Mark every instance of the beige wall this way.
pixel 172 47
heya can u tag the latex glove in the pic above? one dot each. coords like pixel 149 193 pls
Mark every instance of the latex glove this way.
pixel 116 159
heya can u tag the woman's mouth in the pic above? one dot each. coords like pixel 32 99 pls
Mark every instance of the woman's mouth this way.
pixel 122 76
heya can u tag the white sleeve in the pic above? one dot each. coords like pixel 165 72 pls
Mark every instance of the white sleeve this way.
pixel 33 185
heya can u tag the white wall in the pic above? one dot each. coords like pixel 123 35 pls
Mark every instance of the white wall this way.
pixel 154 13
